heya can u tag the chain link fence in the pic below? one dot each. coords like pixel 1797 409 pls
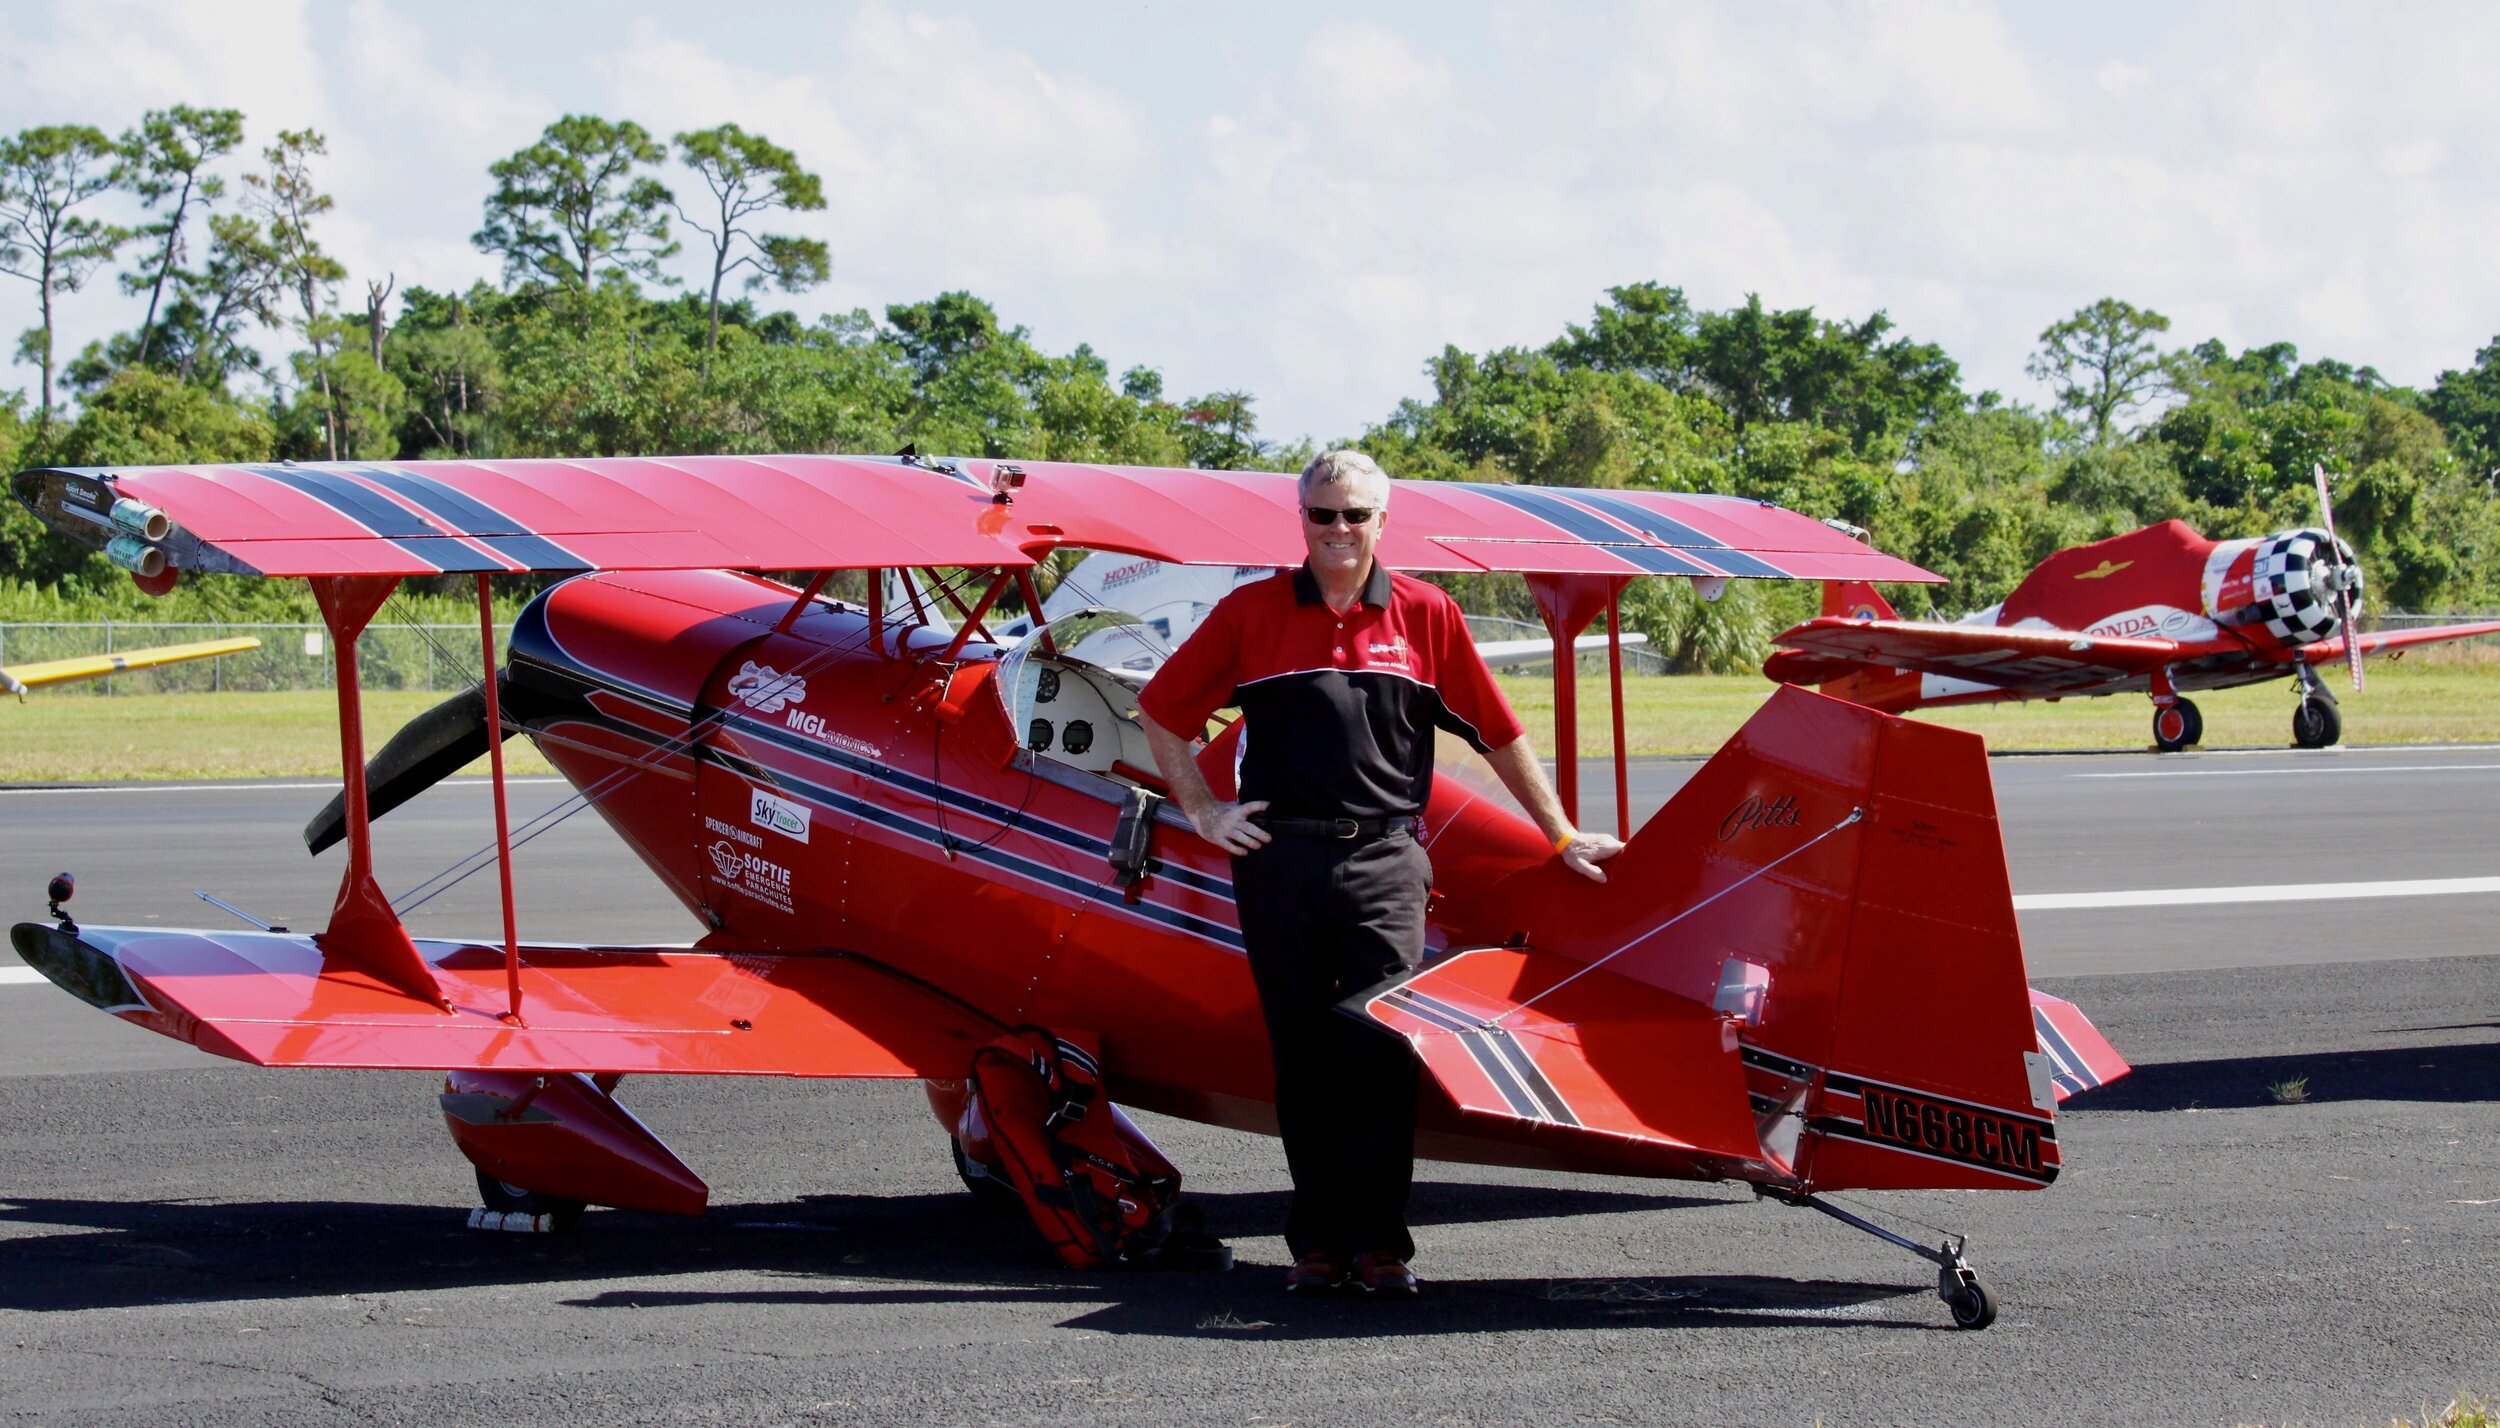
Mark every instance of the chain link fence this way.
pixel 425 657
pixel 445 657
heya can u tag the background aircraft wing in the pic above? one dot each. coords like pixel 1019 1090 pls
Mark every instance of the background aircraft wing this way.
pixel 2325 650
pixel 2047 660
pixel 271 999
pixel 838 512
pixel 18 678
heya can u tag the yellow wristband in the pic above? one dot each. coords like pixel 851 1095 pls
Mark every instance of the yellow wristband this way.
pixel 1565 841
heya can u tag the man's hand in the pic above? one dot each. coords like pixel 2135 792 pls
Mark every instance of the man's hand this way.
pixel 1228 826
pixel 1586 850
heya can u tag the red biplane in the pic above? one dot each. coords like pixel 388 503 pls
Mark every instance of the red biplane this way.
pixel 2158 611
pixel 910 849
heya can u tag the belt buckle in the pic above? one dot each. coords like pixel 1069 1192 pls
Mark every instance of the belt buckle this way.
pixel 1344 828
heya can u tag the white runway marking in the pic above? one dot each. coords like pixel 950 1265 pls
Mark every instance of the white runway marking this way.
pixel 12 976
pixel 2291 773
pixel 2282 892
pixel 157 788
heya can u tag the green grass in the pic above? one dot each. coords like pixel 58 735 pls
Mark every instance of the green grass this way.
pixel 2407 702
pixel 60 736
pixel 67 735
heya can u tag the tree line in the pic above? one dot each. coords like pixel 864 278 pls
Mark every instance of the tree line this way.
pixel 594 343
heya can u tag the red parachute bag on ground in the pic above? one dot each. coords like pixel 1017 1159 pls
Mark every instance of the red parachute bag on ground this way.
pixel 1035 1118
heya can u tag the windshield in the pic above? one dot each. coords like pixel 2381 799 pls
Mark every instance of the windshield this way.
pixel 1118 642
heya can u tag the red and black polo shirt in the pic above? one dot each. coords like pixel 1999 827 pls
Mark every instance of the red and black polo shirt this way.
pixel 1339 709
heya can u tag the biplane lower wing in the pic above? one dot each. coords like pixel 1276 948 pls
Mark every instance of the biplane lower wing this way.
pixel 2051 661
pixel 271 1000
pixel 1511 1034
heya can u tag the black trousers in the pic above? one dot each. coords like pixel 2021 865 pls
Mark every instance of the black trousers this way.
pixel 1324 918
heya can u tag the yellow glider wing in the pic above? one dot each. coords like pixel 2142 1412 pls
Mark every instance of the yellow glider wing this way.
pixel 17 679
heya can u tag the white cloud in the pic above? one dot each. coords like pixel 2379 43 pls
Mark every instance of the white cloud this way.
pixel 1309 214
pixel 987 170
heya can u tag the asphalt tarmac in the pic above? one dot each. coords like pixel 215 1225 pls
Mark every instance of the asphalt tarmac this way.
pixel 186 1240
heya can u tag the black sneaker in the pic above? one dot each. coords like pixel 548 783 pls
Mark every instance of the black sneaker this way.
pixel 1381 1275
pixel 1318 1272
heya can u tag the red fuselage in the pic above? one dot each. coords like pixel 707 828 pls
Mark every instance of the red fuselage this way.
pixel 913 826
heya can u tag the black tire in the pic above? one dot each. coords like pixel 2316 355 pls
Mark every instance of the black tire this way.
pixel 985 1187
pixel 2317 723
pixel 1972 1305
pixel 513 1200
pixel 2176 727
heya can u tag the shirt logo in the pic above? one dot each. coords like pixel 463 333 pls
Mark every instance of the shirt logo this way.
pixel 1390 653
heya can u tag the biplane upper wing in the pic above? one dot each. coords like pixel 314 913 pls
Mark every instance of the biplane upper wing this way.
pixel 840 512
pixel 272 999
pixel 17 679
pixel 2326 650
pixel 2050 661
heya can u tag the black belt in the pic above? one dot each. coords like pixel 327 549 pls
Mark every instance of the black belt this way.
pixel 1340 828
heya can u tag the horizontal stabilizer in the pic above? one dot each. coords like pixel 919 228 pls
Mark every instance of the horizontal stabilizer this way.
pixel 2080 1058
pixel 2050 661
pixel 1511 1034
pixel 269 999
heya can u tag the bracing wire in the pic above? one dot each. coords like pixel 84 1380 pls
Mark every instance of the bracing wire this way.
pixel 461 869
pixel 1852 816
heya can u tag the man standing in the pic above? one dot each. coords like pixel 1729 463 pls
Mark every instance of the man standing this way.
pixel 1342 671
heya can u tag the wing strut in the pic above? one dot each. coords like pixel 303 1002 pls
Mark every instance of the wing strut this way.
pixel 1569 603
pixel 503 818
pixel 363 930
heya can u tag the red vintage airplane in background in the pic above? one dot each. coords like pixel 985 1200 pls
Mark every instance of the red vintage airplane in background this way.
pixel 903 846
pixel 2158 611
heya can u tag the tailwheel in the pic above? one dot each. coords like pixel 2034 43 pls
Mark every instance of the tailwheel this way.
pixel 2317 723
pixel 1972 1305
pixel 2177 725
pixel 523 1209
pixel 1957 1284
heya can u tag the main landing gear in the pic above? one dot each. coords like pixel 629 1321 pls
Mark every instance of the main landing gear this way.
pixel 1957 1284
pixel 2177 725
pixel 2317 722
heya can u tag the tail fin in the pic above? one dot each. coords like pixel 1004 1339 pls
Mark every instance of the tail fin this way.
pixel 1856 600
pixel 1835 880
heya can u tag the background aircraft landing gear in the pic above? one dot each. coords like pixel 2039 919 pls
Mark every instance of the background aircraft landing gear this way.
pixel 1957 1284
pixel 2317 723
pixel 2177 725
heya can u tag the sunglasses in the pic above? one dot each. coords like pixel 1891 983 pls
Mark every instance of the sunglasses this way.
pixel 1324 516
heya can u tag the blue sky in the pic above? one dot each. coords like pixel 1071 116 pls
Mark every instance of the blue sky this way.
pixel 1306 201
